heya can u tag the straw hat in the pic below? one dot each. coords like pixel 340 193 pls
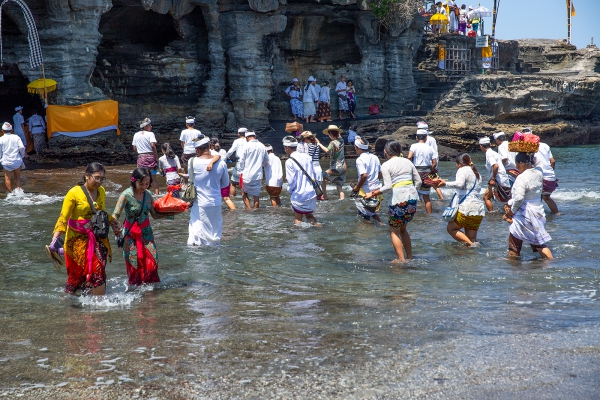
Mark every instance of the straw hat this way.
pixel 307 134
pixel 332 128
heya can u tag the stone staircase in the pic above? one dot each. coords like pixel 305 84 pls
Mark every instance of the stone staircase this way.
pixel 431 88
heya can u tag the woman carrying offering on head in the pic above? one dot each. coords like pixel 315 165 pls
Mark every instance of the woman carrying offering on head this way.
pixel 401 177
pixel 139 250
pixel 471 209
pixel 85 255
pixel 525 209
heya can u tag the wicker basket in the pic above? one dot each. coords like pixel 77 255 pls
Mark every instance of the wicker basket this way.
pixel 523 147
pixel 294 127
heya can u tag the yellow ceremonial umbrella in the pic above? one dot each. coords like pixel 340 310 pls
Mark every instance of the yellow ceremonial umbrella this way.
pixel 439 23
pixel 41 86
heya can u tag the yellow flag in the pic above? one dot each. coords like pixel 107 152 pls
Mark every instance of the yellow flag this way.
pixel 573 13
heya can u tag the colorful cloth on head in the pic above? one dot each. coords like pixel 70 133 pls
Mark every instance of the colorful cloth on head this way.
pixel 401 214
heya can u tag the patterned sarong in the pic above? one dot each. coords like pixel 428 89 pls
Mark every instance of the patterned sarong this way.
pixel 147 161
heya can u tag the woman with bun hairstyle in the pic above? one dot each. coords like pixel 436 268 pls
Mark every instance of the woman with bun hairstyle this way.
pixel 471 209
pixel 85 255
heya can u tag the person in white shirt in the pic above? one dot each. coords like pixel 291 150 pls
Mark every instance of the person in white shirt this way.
pixel 340 91
pixel 12 152
pixel 144 143
pixel 302 192
pixel 236 148
pixel 431 142
pixel 507 157
pixel 206 217
pixel 187 138
pixel 471 208
pixel 37 128
pixel 308 101
pixel 217 151
pixel 170 168
pixel 401 178
pixel 252 160
pixel 422 156
pixel 525 211
pixel 324 103
pixel 545 161
pixel 19 125
pixel 498 184
pixel 273 176
pixel 368 169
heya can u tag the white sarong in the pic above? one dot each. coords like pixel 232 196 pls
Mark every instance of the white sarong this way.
pixel 206 225
pixel 252 187
pixel 529 223
pixel 306 207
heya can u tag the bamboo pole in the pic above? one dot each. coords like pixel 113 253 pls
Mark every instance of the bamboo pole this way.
pixel 45 92
pixel 569 21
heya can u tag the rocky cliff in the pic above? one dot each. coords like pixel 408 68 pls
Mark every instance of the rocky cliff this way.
pixel 227 62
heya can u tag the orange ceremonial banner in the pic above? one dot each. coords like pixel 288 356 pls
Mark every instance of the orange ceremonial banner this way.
pixel 84 120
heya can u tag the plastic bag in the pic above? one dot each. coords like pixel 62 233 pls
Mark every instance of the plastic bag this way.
pixel 170 204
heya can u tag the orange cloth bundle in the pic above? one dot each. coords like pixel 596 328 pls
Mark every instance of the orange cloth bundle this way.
pixel 170 204
pixel 530 143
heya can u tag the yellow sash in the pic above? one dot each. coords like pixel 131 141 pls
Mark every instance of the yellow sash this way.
pixel 402 183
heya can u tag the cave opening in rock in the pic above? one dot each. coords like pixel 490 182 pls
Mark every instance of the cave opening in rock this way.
pixel 13 84
pixel 146 56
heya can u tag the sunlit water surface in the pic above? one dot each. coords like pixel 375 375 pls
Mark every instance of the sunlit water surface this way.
pixel 275 297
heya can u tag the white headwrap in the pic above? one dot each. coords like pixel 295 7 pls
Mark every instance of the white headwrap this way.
pixel 421 132
pixel 485 140
pixel 6 127
pixel 422 125
pixel 527 130
pixel 269 148
pixel 295 80
pixel 190 120
pixel 497 135
pixel 242 130
pixel 250 133
pixel 145 122
pixel 201 142
pixel 360 145
pixel 290 143
pixel 311 79
pixel 18 108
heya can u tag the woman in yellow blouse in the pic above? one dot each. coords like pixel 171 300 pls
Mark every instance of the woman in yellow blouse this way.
pixel 85 256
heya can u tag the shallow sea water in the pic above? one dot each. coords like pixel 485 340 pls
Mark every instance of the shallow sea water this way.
pixel 278 300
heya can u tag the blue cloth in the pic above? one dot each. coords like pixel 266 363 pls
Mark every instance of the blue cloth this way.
pixel 351 136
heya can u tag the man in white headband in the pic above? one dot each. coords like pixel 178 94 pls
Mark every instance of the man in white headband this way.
pixel 12 151
pixel 144 143
pixel 431 142
pixel 187 137
pixel 273 176
pixel 423 157
pixel 368 169
pixel 206 216
pixel 252 160
pixel 236 148
pixel 498 185
pixel 507 157
pixel 300 176
pixel 19 125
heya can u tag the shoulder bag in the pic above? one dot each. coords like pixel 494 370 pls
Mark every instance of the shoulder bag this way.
pixel 99 222
pixel 190 191
pixel 450 212
pixel 314 183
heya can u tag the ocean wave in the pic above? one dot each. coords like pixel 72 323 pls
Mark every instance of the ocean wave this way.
pixel 571 195
pixel 114 300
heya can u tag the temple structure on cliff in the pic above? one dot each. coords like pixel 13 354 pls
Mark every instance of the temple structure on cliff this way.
pixel 229 62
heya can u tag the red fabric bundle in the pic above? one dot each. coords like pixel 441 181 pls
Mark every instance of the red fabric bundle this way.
pixel 374 110
pixel 531 138
pixel 170 204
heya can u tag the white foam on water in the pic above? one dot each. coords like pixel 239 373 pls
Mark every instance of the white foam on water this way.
pixel 114 300
pixel 571 195
pixel 30 199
